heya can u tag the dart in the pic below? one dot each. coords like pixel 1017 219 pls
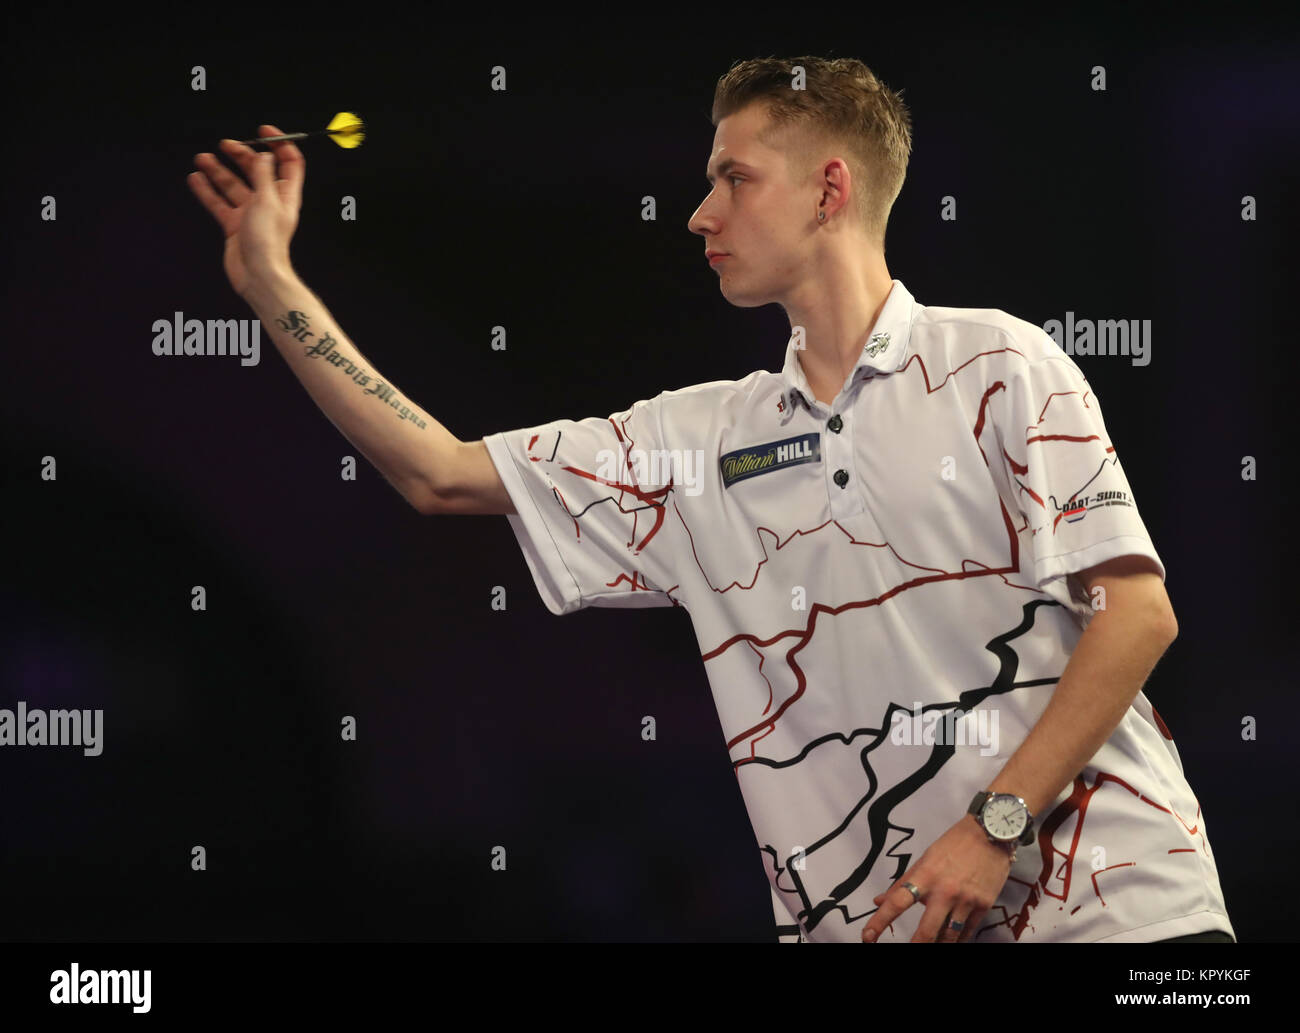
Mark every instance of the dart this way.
pixel 345 129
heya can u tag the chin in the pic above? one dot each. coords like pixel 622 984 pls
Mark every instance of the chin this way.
pixel 741 299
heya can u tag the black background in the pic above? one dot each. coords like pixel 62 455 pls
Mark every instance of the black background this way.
pixel 481 728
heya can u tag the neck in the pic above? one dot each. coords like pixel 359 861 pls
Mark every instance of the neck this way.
pixel 837 306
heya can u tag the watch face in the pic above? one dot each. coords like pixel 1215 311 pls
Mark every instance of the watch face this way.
pixel 1005 816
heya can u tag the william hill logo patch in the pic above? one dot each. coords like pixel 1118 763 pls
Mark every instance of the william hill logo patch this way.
pixel 773 455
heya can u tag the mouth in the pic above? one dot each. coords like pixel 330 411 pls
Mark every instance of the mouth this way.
pixel 717 257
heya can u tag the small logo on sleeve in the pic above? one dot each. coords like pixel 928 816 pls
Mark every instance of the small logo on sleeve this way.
pixel 1077 508
pixel 749 462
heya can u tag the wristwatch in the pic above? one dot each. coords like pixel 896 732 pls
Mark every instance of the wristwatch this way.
pixel 1005 818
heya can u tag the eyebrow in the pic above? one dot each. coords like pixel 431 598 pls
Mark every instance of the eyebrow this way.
pixel 724 166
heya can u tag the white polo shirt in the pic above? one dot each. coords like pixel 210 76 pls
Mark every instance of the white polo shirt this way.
pixel 855 572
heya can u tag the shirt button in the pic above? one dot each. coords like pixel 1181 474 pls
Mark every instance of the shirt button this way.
pixel 841 477
pixel 835 423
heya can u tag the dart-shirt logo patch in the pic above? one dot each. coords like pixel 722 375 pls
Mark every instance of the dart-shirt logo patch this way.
pixel 773 455
pixel 1081 505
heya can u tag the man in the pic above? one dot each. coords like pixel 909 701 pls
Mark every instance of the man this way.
pixel 922 590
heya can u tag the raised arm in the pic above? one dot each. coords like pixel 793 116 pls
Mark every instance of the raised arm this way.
pixel 426 463
pixel 414 452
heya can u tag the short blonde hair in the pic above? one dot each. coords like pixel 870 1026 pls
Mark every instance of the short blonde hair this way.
pixel 843 106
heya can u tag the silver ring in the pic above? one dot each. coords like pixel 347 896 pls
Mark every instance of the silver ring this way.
pixel 958 926
pixel 911 888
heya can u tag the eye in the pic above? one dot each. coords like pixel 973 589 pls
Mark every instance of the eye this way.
pixel 733 176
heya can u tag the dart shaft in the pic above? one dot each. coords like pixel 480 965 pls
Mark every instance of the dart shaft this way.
pixel 276 139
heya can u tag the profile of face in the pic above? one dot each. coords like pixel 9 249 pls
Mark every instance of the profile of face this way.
pixel 756 214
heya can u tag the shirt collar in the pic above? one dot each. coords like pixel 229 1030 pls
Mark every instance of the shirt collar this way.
pixel 885 349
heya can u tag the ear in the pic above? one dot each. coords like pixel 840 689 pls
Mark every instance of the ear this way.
pixel 836 183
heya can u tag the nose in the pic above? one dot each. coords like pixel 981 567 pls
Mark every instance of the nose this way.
pixel 703 222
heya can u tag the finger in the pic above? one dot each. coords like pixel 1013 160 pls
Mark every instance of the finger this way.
pixel 263 170
pixel 896 900
pixel 242 155
pixel 947 933
pixel 875 928
pixel 209 198
pixel 292 166
pixel 934 919
pixel 973 921
pixel 234 188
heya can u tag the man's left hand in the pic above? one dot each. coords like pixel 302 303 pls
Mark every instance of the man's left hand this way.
pixel 959 877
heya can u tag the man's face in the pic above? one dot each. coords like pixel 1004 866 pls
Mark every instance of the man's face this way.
pixel 754 213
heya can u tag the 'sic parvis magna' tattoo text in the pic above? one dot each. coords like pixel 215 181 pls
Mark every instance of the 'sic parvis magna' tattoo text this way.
pixel 296 325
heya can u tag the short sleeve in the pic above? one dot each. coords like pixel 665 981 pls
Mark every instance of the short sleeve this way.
pixel 593 515
pixel 1065 473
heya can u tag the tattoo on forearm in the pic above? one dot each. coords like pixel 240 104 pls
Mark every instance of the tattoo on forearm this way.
pixel 295 324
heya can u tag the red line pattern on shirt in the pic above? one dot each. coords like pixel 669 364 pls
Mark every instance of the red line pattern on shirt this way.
pixel 1075 804
pixel 636 581
pixel 1057 866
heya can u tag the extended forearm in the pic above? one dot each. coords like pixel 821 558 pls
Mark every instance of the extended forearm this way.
pixel 409 447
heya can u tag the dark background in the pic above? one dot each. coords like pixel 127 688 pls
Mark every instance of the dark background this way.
pixel 481 728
